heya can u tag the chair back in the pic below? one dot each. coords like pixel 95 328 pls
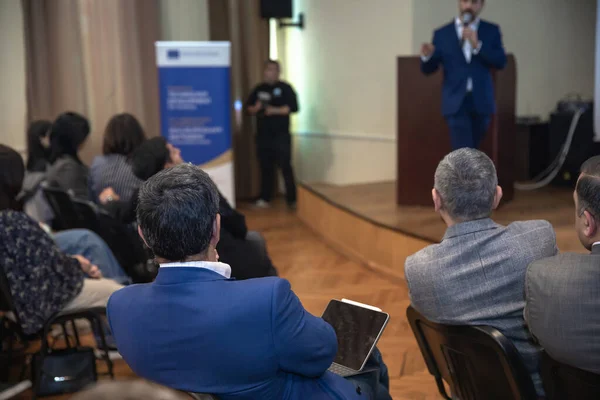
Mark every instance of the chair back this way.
pixel 562 381
pixel 477 362
pixel 62 205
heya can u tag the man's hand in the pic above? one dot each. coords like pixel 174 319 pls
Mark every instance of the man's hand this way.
pixel 88 268
pixel 270 110
pixel 471 35
pixel 256 107
pixel 427 49
pixel 108 195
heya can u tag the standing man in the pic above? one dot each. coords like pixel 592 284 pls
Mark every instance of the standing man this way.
pixel 468 48
pixel 272 102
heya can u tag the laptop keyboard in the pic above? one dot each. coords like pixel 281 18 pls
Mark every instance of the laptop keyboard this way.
pixel 341 370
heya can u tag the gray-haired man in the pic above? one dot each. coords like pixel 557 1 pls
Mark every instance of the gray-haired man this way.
pixel 476 275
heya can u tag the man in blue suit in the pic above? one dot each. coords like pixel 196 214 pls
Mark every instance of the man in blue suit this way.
pixel 195 329
pixel 468 48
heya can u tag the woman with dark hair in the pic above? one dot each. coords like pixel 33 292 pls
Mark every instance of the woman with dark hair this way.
pixel 38 145
pixel 38 153
pixel 123 134
pixel 68 133
pixel 43 278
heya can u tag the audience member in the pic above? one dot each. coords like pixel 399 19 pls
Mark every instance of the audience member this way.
pixel 245 251
pixel 43 280
pixel 122 136
pixel 563 292
pixel 476 275
pixel 207 333
pixel 68 133
pixel 38 153
pixel 133 390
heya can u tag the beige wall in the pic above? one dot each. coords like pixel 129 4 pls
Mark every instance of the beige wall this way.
pixel 553 42
pixel 13 106
pixel 342 66
pixel 184 20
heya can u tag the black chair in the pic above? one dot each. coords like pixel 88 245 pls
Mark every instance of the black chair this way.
pixel 65 214
pixel 13 332
pixel 477 362
pixel 562 381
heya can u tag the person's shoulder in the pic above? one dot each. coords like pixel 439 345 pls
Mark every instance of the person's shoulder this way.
pixel 14 217
pixel 450 26
pixel 489 25
pixel 122 296
pixel 539 226
pixel 286 85
pixel 423 257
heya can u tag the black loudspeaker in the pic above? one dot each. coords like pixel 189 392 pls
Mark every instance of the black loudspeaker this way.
pixel 276 8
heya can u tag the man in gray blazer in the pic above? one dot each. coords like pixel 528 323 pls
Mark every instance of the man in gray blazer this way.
pixel 563 292
pixel 476 275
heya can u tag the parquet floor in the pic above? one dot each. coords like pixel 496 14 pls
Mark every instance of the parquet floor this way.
pixel 317 274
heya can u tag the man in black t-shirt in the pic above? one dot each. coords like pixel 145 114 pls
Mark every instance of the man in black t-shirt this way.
pixel 272 102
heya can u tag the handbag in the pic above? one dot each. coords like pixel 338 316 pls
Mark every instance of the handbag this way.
pixel 64 371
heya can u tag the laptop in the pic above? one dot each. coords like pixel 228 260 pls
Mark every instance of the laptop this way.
pixel 358 328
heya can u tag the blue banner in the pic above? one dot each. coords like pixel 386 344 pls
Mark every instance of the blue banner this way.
pixel 195 106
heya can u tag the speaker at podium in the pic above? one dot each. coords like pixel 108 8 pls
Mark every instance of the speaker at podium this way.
pixel 423 137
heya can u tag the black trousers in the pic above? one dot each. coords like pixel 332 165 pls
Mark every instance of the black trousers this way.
pixel 275 153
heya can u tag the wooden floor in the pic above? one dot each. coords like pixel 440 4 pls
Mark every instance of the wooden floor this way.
pixel 318 274
pixel 376 202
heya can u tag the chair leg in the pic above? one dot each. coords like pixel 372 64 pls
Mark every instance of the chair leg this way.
pixel 98 322
pixel 64 329
pixel 75 333
pixel 441 388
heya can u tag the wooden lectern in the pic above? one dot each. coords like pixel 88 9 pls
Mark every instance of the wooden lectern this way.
pixel 423 137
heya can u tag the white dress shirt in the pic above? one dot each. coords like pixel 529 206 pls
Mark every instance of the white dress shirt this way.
pixel 218 267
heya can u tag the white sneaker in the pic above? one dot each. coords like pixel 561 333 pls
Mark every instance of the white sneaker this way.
pixel 262 204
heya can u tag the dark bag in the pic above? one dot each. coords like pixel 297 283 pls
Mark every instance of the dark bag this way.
pixel 64 371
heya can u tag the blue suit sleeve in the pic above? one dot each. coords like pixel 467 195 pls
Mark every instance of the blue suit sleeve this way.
pixel 305 345
pixel 492 53
pixel 430 66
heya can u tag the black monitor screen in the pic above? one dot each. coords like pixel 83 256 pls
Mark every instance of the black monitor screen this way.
pixel 357 329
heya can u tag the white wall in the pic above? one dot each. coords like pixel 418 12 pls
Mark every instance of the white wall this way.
pixel 13 103
pixel 184 20
pixel 343 66
pixel 553 42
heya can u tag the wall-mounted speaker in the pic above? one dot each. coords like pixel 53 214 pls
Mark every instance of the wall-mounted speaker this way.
pixel 276 8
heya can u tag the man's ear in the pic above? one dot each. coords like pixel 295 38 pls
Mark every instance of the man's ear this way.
pixel 438 204
pixel 216 231
pixel 497 197
pixel 590 224
pixel 142 236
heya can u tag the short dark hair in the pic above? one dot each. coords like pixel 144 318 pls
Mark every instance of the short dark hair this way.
pixel 12 173
pixel 67 133
pixel 273 62
pixel 123 134
pixel 588 187
pixel 150 158
pixel 176 211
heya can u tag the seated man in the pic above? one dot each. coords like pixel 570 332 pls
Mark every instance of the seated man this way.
pixel 197 330
pixel 245 251
pixel 476 275
pixel 563 292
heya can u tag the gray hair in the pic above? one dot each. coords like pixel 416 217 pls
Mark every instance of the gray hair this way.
pixel 132 390
pixel 466 181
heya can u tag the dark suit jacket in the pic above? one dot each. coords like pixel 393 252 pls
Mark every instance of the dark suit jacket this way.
pixel 449 54
pixel 563 307
pixel 194 330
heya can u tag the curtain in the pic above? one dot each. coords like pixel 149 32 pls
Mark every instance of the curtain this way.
pixel 240 23
pixel 93 57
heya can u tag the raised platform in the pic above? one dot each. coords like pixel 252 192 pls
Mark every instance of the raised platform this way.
pixel 364 221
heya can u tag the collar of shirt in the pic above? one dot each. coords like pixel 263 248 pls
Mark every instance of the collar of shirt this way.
pixel 595 243
pixel 218 267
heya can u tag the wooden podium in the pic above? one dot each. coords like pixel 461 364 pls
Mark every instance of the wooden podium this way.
pixel 423 137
